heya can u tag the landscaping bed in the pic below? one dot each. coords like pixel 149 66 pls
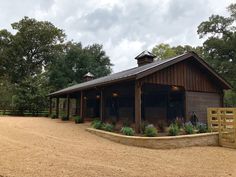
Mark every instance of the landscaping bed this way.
pixel 164 142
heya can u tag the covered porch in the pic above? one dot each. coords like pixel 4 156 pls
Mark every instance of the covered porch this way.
pixel 129 101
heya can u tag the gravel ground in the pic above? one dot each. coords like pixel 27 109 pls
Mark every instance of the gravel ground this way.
pixel 32 147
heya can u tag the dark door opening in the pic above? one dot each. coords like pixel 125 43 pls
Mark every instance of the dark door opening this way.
pixel 175 107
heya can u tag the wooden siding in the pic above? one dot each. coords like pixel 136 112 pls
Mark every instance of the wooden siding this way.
pixel 198 102
pixel 188 74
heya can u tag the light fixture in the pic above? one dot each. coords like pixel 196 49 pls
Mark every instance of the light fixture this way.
pixel 98 96
pixel 85 98
pixel 175 88
pixel 114 94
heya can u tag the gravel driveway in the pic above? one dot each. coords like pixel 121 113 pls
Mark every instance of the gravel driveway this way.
pixel 32 147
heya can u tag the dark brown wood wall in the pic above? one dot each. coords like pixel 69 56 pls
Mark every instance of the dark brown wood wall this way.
pixel 188 74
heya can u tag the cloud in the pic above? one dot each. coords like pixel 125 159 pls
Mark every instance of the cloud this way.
pixel 125 28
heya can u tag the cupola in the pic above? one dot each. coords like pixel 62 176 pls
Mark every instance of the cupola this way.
pixel 87 77
pixel 144 58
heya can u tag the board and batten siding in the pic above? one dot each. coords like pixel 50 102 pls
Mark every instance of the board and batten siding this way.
pixel 199 102
pixel 187 74
pixel 201 90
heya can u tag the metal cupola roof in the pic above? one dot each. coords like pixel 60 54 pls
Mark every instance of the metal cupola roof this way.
pixel 145 53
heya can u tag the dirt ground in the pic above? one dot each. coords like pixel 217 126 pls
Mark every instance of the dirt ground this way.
pixel 33 147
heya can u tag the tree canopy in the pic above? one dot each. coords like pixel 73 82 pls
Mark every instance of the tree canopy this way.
pixel 218 49
pixel 36 59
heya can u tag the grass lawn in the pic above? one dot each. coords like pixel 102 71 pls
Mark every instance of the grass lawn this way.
pixel 33 147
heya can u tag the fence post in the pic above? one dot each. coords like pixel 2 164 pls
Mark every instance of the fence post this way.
pixel 219 125
pixel 209 117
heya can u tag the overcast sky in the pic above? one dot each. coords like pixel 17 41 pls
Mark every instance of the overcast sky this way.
pixel 124 27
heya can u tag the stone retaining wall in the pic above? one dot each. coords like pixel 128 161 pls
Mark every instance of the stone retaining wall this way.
pixel 167 142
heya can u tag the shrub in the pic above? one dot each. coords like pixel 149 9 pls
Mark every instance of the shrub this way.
pixel 173 129
pixel 64 118
pixel 143 126
pixel 150 131
pixel 53 116
pixel 201 127
pixel 78 120
pixel 127 131
pixel 188 128
pixel 94 121
pixel 179 121
pixel 98 124
pixel 109 127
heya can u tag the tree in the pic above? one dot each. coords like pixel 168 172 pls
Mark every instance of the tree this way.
pixel 31 94
pixel 219 49
pixel 30 49
pixel 24 57
pixel 164 51
pixel 6 94
pixel 70 67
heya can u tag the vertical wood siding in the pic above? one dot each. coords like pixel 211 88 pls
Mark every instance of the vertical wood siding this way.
pixel 186 74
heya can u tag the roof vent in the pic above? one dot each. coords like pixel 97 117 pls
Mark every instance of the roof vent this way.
pixel 144 58
pixel 87 77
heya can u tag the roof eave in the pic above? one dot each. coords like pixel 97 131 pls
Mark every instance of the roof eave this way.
pixel 58 93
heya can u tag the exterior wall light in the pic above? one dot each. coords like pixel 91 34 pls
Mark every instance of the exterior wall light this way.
pixel 98 96
pixel 114 94
pixel 175 88
pixel 85 98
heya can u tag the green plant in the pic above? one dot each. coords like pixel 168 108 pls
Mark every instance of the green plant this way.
pixel 127 131
pixel 201 127
pixel 53 116
pixel 78 120
pixel 173 129
pixel 98 124
pixel 188 128
pixel 108 127
pixel 143 125
pixel 150 131
pixel 179 121
pixel 64 117
pixel 95 120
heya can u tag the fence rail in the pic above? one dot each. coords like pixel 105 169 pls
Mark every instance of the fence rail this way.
pixel 25 113
pixel 223 120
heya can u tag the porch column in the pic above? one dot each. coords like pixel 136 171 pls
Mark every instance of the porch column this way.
pixel 82 104
pixel 102 106
pixel 68 106
pixel 57 107
pixel 50 106
pixel 137 103
pixel 76 105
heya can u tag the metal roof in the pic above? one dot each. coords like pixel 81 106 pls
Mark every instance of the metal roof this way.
pixel 145 53
pixel 88 75
pixel 137 73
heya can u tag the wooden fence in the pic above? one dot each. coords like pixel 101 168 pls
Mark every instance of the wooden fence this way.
pixel 223 120
pixel 25 113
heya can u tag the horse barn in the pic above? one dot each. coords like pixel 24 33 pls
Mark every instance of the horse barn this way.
pixel 158 91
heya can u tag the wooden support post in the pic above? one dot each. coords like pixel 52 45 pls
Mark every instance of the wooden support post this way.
pixel 137 106
pixel 82 104
pixel 57 107
pixel 68 106
pixel 102 106
pixel 50 106
pixel 76 105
